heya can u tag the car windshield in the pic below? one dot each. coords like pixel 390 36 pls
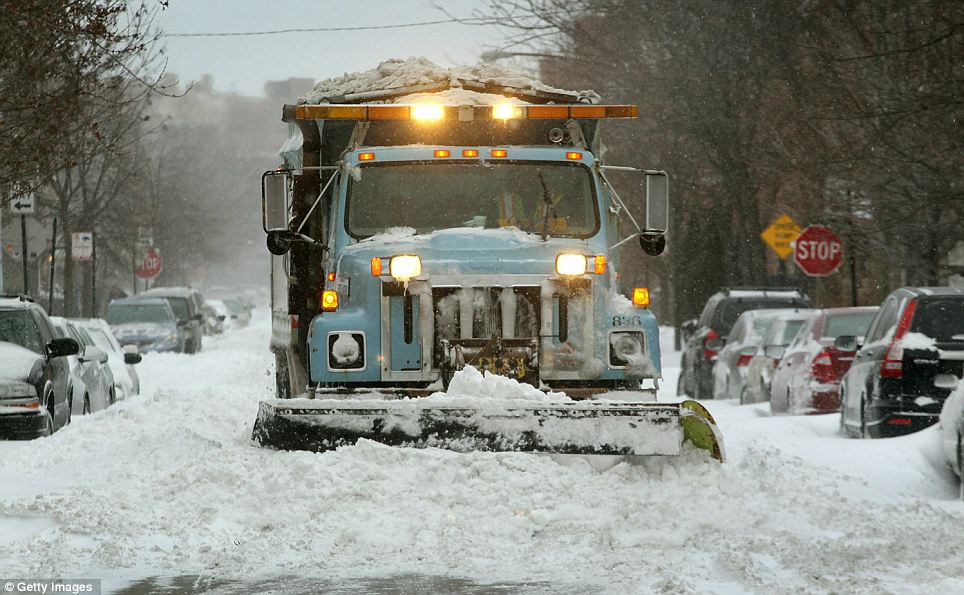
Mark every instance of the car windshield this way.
pixel 100 339
pixel 840 325
pixel 18 327
pixel 729 310
pixel 138 313
pixel 429 197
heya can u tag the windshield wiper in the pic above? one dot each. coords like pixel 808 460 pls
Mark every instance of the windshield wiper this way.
pixel 549 206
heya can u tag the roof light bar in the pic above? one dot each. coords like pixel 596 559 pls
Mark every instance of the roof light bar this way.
pixel 429 112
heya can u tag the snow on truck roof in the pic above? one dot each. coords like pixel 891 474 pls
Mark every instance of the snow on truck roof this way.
pixel 440 84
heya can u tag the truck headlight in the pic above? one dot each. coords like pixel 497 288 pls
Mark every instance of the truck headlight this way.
pixel 571 264
pixel 405 267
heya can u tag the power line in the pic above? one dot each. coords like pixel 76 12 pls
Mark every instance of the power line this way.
pixel 468 21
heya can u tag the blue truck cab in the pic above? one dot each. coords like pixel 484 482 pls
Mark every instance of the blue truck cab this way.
pixel 408 247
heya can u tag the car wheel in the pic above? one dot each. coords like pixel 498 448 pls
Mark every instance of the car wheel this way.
pixel 86 404
pixel 679 386
pixel 111 397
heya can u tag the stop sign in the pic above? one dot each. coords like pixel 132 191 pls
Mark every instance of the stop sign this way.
pixel 818 251
pixel 152 265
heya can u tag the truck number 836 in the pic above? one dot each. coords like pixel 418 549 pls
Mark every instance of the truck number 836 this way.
pixel 627 321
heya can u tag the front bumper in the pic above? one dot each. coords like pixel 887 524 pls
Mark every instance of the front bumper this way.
pixel 23 426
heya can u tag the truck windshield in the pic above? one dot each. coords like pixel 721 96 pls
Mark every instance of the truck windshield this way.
pixel 429 197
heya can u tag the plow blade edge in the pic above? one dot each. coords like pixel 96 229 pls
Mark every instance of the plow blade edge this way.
pixel 585 427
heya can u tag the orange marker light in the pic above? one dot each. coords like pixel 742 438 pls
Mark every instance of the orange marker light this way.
pixel 376 267
pixel 329 300
pixel 470 153
pixel 641 297
pixel 441 153
pixel 600 267
pixel 366 156
pixel 574 155
pixel 499 153
pixel 331 276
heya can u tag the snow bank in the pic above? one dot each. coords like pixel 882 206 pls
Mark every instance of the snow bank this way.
pixel 469 384
pixel 169 484
pixel 394 74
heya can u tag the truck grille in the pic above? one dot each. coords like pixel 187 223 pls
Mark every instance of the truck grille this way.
pixel 486 312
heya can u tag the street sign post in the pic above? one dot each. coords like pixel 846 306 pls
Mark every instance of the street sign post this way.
pixel 23 205
pixel 780 235
pixel 818 251
pixel 151 266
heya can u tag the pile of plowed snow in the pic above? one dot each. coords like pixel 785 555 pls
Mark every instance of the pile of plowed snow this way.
pixel 394 74
pixel 170 484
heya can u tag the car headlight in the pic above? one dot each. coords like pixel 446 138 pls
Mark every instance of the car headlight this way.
pixel 169 341
pixel 405 267
pixel 571 264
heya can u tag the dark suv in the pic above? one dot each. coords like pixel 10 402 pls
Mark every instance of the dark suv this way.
pixel 188 306
pixel 34 372
pixel 912 355
pixel 705 337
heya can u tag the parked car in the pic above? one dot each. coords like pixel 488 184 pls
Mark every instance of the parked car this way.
pixel 952 429
pixel 34 372
pixel 729 370
pixel 188 306
pixel 91 381
pixel 807 380
pixel 900 377
pixel 126 381
pixel 240 315
pixel 760 370
pixel 215 313
pixel 705 337
pixel 148 324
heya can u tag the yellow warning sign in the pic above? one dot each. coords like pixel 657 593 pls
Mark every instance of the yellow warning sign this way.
pixel 780 235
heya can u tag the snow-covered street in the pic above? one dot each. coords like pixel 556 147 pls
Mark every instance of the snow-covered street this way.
pixel 169 484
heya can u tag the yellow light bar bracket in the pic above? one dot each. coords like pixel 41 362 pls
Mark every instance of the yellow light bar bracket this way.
pixel 365 112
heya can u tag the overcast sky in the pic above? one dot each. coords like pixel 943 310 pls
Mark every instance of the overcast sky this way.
pixel 243 64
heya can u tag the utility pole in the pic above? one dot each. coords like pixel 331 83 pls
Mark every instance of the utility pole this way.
pixel 53 264
pixel 23 252
pixel 851 248
pixel 93 274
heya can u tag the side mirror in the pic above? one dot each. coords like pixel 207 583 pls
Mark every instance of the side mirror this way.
pixel 221 317
pixel 653 244
pixel 181 323
pixel 657 202
pixel 62 347
pixel 774 351
pixel 846 343
pixel 198 317
pixel 688 326
pixel 132 358
pixel 274 201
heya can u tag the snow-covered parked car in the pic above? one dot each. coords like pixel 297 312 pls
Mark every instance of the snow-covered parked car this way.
pixel 149 324
pixel 34 373
pixel 759 372
pixel 91 380
pixel 952 430
pixel 743 342
pixel 899 379
pixel 126 381
pixel 807 380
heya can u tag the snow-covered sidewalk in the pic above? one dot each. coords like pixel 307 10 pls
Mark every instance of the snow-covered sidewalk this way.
pixel 169 484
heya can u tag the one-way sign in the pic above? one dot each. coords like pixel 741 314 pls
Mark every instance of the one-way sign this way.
pixel 22 205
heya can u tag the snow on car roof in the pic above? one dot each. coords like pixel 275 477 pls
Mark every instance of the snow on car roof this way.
pixel 414 71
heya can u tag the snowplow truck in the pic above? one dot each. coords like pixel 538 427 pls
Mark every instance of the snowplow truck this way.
pixel 410 240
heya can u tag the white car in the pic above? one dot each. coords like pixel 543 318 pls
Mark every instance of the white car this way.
pixel 952 431
pixel 121 362
pixel 91 385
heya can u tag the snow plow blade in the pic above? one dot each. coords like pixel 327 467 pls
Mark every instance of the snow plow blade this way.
pixel 567 427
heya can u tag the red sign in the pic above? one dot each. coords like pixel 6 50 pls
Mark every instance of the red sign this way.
pixel 152 265
pixel 818 251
